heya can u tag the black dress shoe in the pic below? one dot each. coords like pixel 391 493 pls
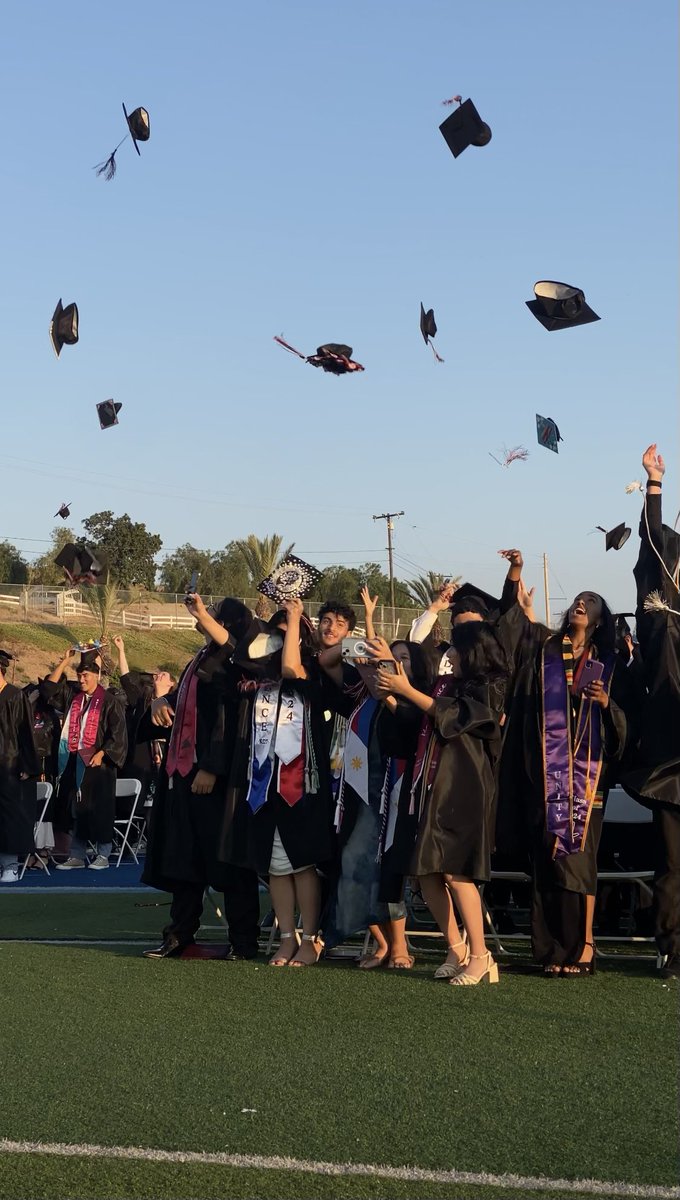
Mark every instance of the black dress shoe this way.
pixel 241 955
pixel 171 947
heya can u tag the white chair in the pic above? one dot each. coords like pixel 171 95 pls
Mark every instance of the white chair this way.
pixel 123 827
pixel 43 795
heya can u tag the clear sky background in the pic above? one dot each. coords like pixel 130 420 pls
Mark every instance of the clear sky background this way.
pixel 296 182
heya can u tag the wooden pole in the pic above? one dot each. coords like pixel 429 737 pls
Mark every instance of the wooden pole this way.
pixel 546 590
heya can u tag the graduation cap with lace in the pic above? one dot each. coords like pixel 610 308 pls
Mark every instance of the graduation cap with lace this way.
pixel 79 564
pixel 560 305
pixel 428 328
pixel 293 579
pixel 333 357
pixel 464 127
pixel 139 129
pixel 547 433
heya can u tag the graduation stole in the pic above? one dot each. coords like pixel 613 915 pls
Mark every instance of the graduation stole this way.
pixel 278 730
pixel 182 747
pixel 572 749
pixel 429 748
pixel 354 768
pixel 71 736
pixel 389 804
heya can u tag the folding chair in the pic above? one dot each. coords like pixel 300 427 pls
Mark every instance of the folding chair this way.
pixel 122 828
pixel 43 795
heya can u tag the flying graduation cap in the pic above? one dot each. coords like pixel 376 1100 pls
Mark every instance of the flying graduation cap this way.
pixel 139 129
pixel 64 326
pixel 79 564
pixel 559 305
pixel 64 512
pixel 547 433
pixel 107 411
pixel 464 127
pixel 333 357
pixel 615 538
pixel 428 328
pixel 293 579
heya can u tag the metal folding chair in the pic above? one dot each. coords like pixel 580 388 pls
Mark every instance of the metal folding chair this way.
pixel 122 828
pixel 43 795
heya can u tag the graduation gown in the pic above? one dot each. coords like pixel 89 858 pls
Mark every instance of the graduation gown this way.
pixel 139 762
pixel 91 809
pixel 17 755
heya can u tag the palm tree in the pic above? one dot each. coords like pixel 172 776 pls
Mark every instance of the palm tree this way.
pixel 261 556
pixel 425 587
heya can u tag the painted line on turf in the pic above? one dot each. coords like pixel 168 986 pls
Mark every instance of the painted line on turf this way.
pixel 531 1183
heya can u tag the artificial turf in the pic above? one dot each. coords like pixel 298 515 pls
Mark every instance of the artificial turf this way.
pixel 563 1078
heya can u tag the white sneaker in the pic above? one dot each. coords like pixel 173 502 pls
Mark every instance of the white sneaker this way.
pixel 71 864
pixel 9 874
pixel 99 863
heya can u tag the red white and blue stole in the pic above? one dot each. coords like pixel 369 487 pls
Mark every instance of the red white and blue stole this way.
pixel 277 733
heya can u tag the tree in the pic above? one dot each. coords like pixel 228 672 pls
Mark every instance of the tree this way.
pixel 223 573
pixel 425 587
pixel 43 569
pixel 126 546
pixel 261 556
pixel 344 584
pixel 13 566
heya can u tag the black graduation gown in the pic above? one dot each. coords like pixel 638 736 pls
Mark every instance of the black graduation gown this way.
pixel 654 776
pixel 92 813
pixel 139 763
pixel 17 755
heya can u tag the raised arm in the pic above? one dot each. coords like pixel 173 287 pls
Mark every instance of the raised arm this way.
pixel 424 624
pixel 291 658
pixel 56 674
pixel 370 604
pixel 123 665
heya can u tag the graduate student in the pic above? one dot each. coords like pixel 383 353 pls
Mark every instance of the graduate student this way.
pixel 17 758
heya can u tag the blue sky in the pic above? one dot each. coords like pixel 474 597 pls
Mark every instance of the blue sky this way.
pixel 296 181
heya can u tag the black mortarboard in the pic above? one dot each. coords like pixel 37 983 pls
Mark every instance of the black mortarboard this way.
pixel 78 564
pixel 64 512
pixel 64 326
pixel 559 305
pixel 5 659
pixel 622 626
pixel 139 129
pixel 469 598
pixel 428 328
pixel 293 579
pixel 615 538
pixel 464 127
pixel 88 662
pixel 547 433
pixel 334 357
pixel 107 412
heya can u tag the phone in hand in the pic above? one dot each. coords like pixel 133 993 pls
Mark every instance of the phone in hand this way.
pixel 193 584
pixel 593 670
pixel 353 648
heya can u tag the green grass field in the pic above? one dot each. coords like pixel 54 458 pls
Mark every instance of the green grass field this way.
pixel 567 1079
pixel 37 647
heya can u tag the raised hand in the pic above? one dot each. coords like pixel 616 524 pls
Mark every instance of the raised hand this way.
pixel 195 606
pixel 379 649
pixel 514 557
pixel 443 599
pixel 388 684
pixel 525 597
pixel 369 602
pixel 294 608
pixel 119 643
pixel 653 463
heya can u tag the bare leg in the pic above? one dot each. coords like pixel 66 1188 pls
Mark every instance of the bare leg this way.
pixel 282 891
pixel 438 899
pixel 400 959
pixel 469 905
pixel 588 952
pixel 369 961
pixel 308 893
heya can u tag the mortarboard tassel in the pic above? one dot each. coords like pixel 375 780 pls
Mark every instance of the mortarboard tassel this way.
pixel 108 168
pixel 655 602
pixel 292 349
pixel 437 356
pixel 453 100
pixel 635 486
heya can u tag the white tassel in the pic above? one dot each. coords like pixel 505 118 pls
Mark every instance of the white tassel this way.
pixel 635 486
pixel 655 602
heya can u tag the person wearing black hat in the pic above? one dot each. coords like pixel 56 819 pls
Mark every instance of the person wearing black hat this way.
pixel 140 689
pixel 199 718
pixel 92 746
pixel 654 776
pixel 17 758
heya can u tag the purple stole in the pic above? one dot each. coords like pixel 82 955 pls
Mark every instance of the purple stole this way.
pixel 572 758
pixel 429 748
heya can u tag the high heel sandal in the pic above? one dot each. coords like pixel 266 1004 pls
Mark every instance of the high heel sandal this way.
pixel 580 969
pixel 308 937
pixel 490 973
pixel 450 970
pixel 279 960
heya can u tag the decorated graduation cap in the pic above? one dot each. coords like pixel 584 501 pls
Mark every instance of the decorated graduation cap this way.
pixel 79 564
pixel 547 433
pixel 139 129
pixel 64 511
pixel 470 598
pixel 464 127
pixel 107 411
pixel 559 305
pixel 333 357
pixel 64 326
pixel 428 328
pixel 615 538
pixel 293 579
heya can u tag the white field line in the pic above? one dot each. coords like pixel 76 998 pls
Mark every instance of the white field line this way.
pixel 521 1183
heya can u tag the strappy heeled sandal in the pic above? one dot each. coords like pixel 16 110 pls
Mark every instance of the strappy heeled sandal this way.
pixel 490 972
pixel 308 937
pixel 580 969
pixel 279 960
pixel 450 970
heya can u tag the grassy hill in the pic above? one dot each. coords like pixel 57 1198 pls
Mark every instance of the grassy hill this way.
pixel 38 647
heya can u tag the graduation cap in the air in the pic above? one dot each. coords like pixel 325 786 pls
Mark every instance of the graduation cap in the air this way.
pixel 621 622
pixel 559 305
pixel 333 356
pixel 464 127
pixel 428 328
pixel 139 129
pixel 469 598
pixel 547 433
pixel 615 538
pixel 64 326
pixel 79 564
pixel 64 511
pixel 293 579
pixel 107 411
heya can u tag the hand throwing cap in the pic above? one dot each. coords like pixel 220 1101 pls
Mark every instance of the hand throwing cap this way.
pixel 559 305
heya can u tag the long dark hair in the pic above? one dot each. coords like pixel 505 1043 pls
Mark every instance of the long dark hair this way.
pixel 604 637
pixel 481 655
pixel 419 669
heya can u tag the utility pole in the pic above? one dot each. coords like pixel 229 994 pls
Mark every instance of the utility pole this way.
pixel 388 518
pixel 546 590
